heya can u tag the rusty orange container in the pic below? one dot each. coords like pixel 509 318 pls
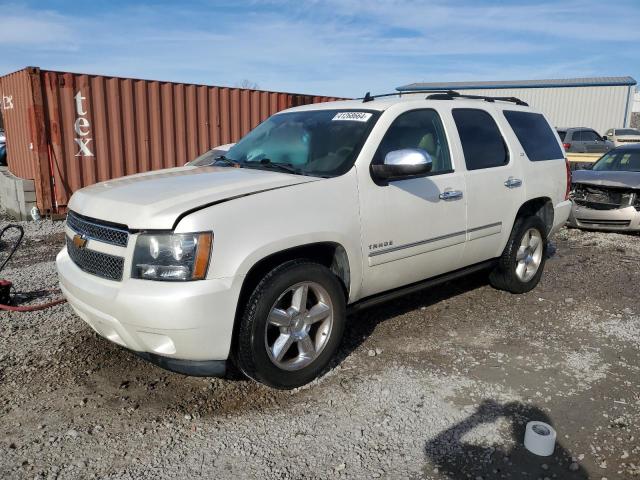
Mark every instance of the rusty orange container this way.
pixel 69 130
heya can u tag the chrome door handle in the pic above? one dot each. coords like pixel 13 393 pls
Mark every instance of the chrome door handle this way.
pixel 513 182
pixel 450 195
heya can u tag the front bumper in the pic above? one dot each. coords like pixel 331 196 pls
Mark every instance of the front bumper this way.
pixel 620 220
pixel 169 323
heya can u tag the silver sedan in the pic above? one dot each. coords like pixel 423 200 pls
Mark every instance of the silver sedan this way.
pixel 607 195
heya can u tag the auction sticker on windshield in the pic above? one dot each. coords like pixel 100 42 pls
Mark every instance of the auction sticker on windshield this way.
pixel 352 116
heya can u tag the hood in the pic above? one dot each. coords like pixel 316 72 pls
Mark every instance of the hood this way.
pixel 155 200
pixel 607 179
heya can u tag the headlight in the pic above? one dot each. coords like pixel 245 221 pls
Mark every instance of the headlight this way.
pixel 172 256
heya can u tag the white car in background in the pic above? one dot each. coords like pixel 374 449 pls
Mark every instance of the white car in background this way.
pixel 623 136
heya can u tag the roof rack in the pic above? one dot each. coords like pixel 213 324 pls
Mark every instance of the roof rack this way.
pixel 444 95
pixel 452 94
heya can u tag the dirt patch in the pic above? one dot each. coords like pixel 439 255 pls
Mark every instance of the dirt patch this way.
pixel 436 385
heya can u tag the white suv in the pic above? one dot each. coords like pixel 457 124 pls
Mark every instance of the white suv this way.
pixel 321 209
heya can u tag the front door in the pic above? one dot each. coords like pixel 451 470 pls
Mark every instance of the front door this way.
pixel 595 143
pixel 412 228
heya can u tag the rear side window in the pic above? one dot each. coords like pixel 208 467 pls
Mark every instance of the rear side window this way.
pixel 535 135
pixel 482 143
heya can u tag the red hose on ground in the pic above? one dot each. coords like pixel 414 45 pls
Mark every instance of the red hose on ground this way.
pixel 6 285
pixel 32 308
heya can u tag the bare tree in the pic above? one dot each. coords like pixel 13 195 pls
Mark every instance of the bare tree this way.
pixel 248 84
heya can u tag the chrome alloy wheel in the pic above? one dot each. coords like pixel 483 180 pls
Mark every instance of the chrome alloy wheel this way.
pixel 299 326
pixel 529 255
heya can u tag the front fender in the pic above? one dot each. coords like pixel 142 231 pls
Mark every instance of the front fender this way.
pixel 249 229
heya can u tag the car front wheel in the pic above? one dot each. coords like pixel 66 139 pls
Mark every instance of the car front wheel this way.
pixel 292 325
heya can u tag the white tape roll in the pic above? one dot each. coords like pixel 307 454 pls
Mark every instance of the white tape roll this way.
pixel 540 438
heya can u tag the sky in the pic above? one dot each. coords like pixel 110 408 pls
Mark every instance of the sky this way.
pixel 332 47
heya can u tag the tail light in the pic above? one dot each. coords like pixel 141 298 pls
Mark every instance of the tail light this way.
pixel 566 195
pixel 566 146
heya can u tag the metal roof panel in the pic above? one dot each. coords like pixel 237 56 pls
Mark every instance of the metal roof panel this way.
pixel 546 83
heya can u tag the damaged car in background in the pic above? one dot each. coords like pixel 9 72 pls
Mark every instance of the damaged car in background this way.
pixel 607 195
pixel 623 136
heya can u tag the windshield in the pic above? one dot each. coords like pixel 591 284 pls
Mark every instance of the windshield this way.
pixel 619 161
pixel 321 143
pixel 628 131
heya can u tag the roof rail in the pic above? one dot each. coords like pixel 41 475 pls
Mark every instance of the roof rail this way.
pixel 443 95
pixel 451 94
pixel 369 98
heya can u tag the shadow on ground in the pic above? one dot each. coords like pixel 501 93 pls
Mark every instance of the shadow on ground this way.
pixel 457 458
pixel 362 324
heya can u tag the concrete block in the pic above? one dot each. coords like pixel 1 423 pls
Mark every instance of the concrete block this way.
pixel 29 197
pixel 28 185
pixel 17 195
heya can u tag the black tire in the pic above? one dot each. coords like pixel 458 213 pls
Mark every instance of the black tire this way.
pixel 251 354
pixel 503 276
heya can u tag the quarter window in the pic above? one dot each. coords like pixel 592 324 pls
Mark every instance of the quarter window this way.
pixel 535 135
pixel 482 143
pixel 417 129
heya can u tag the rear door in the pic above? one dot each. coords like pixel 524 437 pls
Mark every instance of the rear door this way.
pixel 494 182
pixel 578 145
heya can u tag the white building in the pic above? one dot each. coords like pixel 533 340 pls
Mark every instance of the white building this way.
pixel 600 102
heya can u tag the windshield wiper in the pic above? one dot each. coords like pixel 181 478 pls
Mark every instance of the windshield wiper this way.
pixel 283 167
pixel 228 161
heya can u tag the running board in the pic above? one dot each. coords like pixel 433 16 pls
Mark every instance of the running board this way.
pixel 416 287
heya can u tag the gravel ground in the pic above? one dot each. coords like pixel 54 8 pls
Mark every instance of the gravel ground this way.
pixel 436 385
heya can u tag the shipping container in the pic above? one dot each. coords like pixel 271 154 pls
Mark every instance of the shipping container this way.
pixel 69 130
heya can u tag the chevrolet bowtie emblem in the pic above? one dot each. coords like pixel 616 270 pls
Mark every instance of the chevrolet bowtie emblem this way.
pixel 79 241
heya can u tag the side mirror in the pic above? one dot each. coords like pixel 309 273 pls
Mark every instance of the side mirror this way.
pixel 605 138
pixel 408 162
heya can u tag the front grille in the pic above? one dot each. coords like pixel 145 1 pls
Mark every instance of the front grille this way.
pixel 96 263
pixel 98 230
pixel 608 223
pixel 598 206
pixel 627 140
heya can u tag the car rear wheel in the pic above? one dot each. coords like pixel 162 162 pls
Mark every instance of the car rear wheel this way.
pixel 292 325
pixel 520 267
